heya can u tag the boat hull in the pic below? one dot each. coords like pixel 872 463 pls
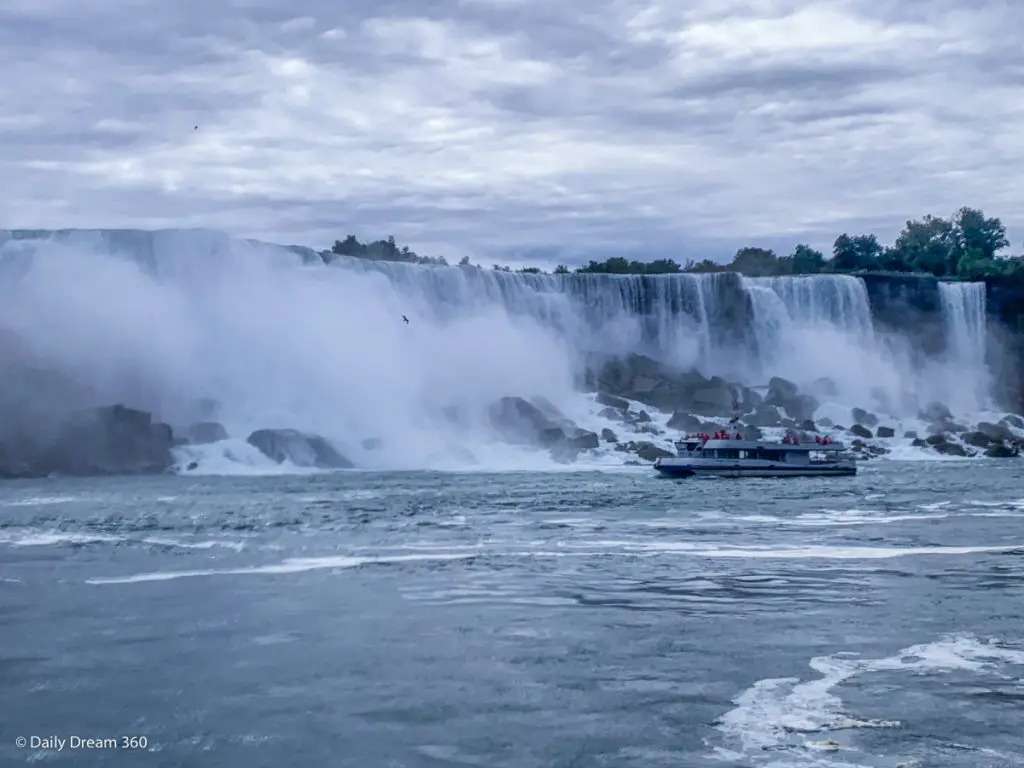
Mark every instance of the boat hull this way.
pixel 694 470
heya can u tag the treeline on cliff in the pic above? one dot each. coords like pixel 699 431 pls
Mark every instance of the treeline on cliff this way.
pixel 966 246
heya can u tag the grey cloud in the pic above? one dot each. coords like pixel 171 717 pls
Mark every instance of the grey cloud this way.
pixel 516 127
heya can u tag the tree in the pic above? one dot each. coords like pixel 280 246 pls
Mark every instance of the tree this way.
pixel 464 261
pixel 928 245
pixel 561 269
pixel 855 253
pixel 755 262
pixel 807 260
pixel 975 234
pixel 704 265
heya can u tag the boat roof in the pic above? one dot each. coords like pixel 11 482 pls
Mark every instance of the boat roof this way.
pixel 770 445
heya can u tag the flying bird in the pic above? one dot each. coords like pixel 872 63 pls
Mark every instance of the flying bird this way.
pixel 406 319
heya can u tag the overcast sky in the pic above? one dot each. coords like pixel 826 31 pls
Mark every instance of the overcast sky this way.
pixel 512 127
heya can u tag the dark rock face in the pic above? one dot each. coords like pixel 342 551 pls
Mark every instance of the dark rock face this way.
pixel 522 422
pixel 612 401
pixel 861 431
pixel 300 448
pixel 206 432
pixel 885 432
pixel 863 417
pixel 908 305
pixel 111 440
pixel 609 436
pixel 639 378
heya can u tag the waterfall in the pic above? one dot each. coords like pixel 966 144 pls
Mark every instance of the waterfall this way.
pixel 963 320
pixel 163 319
pixel 964 328
pixel 826 304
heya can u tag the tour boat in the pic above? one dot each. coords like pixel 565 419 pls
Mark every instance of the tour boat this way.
pixel 727 455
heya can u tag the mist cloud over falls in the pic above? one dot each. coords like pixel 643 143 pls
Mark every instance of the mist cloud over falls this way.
pixel 160 321
pixel 164 320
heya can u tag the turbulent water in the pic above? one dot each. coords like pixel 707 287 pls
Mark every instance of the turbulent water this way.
pixel 166 320
pixel 518 619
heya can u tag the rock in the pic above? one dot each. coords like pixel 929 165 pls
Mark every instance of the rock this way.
pixel 935 412
pixel 937 439
pixel 612 401
pixel 765 416
pixel 708 400
pixel 824 387
pixel 910 434
pixel 861 431
pixel 642 417
pixel 300 448
pixel 750 432
pixel 977 439
pixel 521 422
pixel 111 440
pixel 1000 450
pixel 940 427
pixel 684 422
pixel 639 378
pixel 801 407
pixel 781 389
pixel 885 432
pixel 203 432
pixel 583 439
pixel 192 465
pixel 826 422
pixel 608 436
pixel 807 425
pixel 995 431
pixel 860 416
pixel 566 446
pixel 612 414
pixel 373 443
pixel 918 443
pixel 650 452
pixel 951 449
pixel 649 429
pixel 1012 421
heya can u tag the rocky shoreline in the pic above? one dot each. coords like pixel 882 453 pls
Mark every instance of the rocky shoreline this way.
pixel 118 440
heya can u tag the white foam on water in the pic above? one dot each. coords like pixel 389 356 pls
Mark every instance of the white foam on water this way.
pixel 40 501
pixel 290 565
pixel 233 456
pixel 839 518
pixel 772 718
pixel 702 549
pixel 24 537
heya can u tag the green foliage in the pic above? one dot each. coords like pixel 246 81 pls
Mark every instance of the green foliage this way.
pixel 704 265
pixel 859 252
pixel 965 246
pixel 617 265
pixel 379 250
pixel 807 260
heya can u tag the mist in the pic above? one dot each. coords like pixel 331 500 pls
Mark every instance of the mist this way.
pixel 168 321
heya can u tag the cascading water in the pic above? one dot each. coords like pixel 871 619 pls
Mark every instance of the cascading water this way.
pixel 964 327
pixel 164 320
